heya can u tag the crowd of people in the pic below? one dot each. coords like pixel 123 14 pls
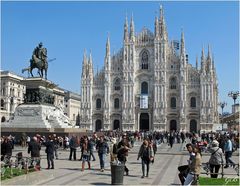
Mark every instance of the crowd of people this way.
pixel 217 145
pixel 117 144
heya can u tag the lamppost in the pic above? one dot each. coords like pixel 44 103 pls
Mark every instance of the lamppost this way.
pixel 222 105
pixel 234 95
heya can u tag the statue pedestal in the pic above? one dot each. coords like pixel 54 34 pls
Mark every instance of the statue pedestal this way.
pixel 38 116
pixel 38 109
pixel 39 90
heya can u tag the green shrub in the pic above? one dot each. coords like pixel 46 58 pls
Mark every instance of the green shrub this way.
pixel 218 181
pixel 15 172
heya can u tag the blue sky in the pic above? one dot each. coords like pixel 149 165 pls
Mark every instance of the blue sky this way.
pixel 67 28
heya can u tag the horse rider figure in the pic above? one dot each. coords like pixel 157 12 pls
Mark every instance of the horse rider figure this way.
pixel 40 54
pixel 36 52
pixel 39 61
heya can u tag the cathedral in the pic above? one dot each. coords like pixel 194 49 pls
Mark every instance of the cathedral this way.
pixel 149 85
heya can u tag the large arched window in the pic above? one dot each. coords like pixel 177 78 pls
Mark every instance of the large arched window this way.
pixel 117 84
pixel 144 60
pixel 144 88
pixel 98 104
pixel 2 104
pixel 173 102
pixel 116 103
pixel 173 83
pixel 193 102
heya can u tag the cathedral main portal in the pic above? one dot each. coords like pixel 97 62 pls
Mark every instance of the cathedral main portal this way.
pixel 173 125
pixel 144 121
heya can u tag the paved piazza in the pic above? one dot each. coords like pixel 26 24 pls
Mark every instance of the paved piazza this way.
pixel 162 172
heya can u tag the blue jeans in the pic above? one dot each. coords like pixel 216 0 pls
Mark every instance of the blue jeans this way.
pixel 228 155
pixel 145 162
pixel 102 158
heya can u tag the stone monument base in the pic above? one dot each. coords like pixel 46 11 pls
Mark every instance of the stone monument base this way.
pixel 38 116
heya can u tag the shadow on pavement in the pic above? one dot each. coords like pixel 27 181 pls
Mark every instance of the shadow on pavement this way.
pixel 133 176
pixel 135 163
pixel 99 183
pixel 77 169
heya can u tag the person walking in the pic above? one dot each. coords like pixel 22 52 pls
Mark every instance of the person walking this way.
pixel 91 148
pixel 216 158
pixel 85 153
pixel 34 148
pixel 56 145
pixel 146 154
pixel 50 152
pixel 228 147
pixel 73 144
pixel 122 149
pixel 113 150
pixel 171 139
pixel 102 149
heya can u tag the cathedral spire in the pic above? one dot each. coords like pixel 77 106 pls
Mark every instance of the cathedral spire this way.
pixel 197 62
pixel 108 46
pixel 85 57
pixel 202 56
pixel 90 63
pixel 84 64
pixel 107 56
pixel 202 61
pixel 162 25
pixel 132 37
pixel 126 29
pixel 156 27
pixel 209 53
pixel 161 14
pixel 90 58
pixel 182 43
pixel 209 59
pixel 213 66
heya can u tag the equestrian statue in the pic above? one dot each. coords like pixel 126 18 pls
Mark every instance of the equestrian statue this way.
pixel 39 61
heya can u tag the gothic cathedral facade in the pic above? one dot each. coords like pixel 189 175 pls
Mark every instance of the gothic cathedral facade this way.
pixel 149 85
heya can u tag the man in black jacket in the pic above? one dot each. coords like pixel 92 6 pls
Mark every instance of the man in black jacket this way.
pixel 73 147
pixel 34 148
pixel 50 152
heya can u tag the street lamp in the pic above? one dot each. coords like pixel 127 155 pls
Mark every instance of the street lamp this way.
pixel 234 95
pixel 222 105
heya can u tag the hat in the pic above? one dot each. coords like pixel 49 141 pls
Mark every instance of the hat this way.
pixel 114 140
pixel 215 142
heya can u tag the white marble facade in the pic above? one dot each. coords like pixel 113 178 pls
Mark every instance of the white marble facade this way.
pixel 155 70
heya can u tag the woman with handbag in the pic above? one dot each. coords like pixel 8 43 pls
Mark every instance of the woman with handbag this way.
pixel 216 158
pixel 146 154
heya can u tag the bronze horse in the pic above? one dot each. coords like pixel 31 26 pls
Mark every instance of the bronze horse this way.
pixel 40 63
